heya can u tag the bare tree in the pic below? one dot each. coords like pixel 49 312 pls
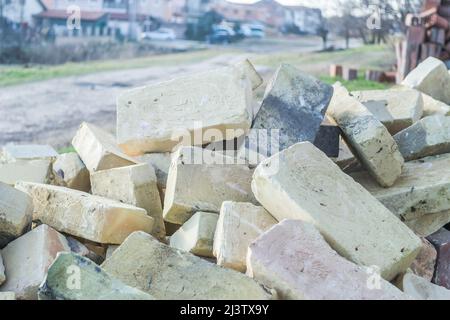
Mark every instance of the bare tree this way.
pixel 354 17
pixel 2 25
pixel 347 22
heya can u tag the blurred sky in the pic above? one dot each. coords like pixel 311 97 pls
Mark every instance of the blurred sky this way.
pixel 325 5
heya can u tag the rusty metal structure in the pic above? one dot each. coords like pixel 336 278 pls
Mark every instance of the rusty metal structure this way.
pixel 428 35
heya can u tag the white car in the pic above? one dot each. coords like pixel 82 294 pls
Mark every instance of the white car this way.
pixel 160 34
pixel 253 31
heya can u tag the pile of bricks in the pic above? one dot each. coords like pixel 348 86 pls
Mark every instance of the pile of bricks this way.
pixel 203 193
pixel 349 74
pixel 428 35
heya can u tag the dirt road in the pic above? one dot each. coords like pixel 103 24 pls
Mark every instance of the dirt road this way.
pixel 50 111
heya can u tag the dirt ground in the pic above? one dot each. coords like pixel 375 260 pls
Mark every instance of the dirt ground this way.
pixel 50 111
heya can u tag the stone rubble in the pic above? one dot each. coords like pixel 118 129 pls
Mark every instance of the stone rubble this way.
pixel 196 235
pixel 197 197
pixel 425 263
pixel 161 163
pixel 7 296
pixel 28 258
pixel 87 216
pixel 16 210
pixel 25 170
pixel 193 187
pixel 430 223
pixel 98 149
pixel 433 107
pixel 134 185
pixel 432 78
pixel 2 270
pixel 368 137
pixel 422 189
pixel 294 103
pixel 295 259
pixel 302 183
pixel 94 283
pixel 154 118
pixel 345 159
pixel 328 137
pixel 421 289
pixel 12 153
pixel 80 249
pixel 167 273
pixel 70 172
pixel 430 136
pixel 441 241
pixel 97 250
pixel 396 109
pixel 238 226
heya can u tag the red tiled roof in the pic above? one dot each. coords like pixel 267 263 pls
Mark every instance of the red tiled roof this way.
pixel 47 3
pixel 125 16
pixel 62 14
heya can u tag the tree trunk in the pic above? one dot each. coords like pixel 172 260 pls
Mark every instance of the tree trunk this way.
pixel 347 39
pixel 363 35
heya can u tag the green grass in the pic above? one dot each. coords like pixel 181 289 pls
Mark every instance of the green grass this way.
pixel 302 59
pixel 359 84
pixel 378 57
pixel 374 56
pixel 68 149
pixel 11 75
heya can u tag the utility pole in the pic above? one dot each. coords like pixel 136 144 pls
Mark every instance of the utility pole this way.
pixel 1 10
pixel 2 24
pixel 132 29
pixel 21 29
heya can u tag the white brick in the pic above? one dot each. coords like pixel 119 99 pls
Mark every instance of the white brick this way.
pixel 423 188
pixel 135 185
pixel 430 223
pixel 421 289
pixel 152 118
pixel 161 163
pixel 238 226
pixel 170 274
pixel 95 283
pixel 71 172
pixel 346 159
pixel 7 296
pixel 302 183
pixel 428 137
pixel 430 77
pixel 16 209
pixel 368 137
pixel 196 235
pixel 28 152
pixel 294 259
pixel 432 107
pixel 28 258
pixel 396 109
pixel 83 215
pixel 2 270
pixel 193 187
pixel 98 149
pixel 294 104
pixel 23 170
